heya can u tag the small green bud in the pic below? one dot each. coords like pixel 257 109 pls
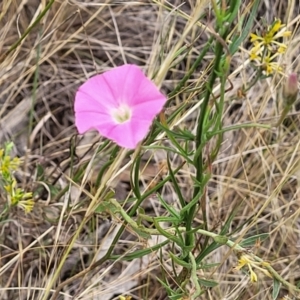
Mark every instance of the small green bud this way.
pixel 220 239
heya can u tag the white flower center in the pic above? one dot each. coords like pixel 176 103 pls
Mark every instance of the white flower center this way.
pixel 121 114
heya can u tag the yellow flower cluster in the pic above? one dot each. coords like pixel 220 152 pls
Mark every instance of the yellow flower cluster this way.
pixel 247 261
pixel 15 196
pixel 8 165
pixel 266 48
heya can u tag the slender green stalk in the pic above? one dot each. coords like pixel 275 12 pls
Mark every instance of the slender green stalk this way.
pixel 283 114
pixel 198 159
pixel 34 95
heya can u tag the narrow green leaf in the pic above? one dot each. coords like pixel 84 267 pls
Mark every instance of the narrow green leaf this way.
pixel 169 208
pixel 139 253
pixel 249 242
pixel 213 246
pixel 175 184
pixel 246 30
pixel 169 236
pixel 179 261
pixel 173 295
pixel 208 266
pixel 234 10
pixel 136 177
pixel 276 289
pixel 175 221
pixel 40 172
pixel 158 186
pixel 226 226
pixel 207 283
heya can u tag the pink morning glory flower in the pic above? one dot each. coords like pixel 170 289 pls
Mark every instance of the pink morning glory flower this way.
pixel 121 104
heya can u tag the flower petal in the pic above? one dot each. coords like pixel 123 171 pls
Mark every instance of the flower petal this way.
pixel 91 120
pixel 124 82
pixel 99 97
pixel 147 110
pixel 126 135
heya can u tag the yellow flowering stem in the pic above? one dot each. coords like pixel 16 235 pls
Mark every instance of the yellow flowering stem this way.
pixel 253 276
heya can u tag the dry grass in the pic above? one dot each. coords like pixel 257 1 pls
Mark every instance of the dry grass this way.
pixel 256 168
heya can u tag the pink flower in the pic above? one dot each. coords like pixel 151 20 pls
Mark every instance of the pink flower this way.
pixel 121 104
pixel 290 89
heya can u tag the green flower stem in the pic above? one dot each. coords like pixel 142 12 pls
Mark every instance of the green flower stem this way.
pixel 238 126
pixel 283 114
pixel 198 159
pixel 257 77
pixel 220 107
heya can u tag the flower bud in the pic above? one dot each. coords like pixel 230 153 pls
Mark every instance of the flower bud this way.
pixel 290 89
